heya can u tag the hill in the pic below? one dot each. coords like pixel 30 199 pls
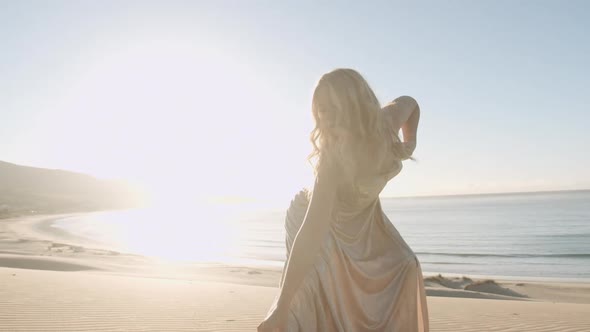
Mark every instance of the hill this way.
pixel 32 190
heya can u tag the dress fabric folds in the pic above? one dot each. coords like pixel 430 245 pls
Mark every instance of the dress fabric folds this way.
pixel 365 278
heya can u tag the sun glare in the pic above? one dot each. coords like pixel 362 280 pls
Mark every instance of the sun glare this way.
pixel 189 122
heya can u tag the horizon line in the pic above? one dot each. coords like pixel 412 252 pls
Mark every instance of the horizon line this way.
pixel 491 193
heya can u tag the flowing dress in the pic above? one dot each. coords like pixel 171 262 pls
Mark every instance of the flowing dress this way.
pixel 365 277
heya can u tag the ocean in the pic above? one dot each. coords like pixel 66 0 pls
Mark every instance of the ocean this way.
pixel 543 234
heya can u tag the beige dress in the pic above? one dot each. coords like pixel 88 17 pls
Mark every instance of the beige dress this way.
pixel 366 277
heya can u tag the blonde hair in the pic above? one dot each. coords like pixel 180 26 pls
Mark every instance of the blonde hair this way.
pixel 349 133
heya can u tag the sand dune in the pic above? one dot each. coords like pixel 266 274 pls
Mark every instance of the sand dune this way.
pixel 492 287
pixel 469 288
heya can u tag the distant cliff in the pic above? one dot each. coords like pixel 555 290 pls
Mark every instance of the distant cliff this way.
pixel 31 190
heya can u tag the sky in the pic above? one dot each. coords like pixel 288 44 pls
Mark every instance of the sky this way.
pixel 212 98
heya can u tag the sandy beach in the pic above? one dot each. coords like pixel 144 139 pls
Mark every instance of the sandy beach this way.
pixel 53 281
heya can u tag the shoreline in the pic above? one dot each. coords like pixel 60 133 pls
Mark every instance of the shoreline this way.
pixel 63 245
pixel 51 284
pixel 44 228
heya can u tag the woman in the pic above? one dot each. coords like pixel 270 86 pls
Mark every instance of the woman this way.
pixel 347 268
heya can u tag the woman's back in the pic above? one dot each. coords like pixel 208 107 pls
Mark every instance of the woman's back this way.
pixel 351 205
pixel 366 278
pixel 348 269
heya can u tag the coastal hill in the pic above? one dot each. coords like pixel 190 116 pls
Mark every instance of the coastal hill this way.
pixel 32 190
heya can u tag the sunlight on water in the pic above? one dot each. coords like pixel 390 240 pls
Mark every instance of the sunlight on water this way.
pixel 541 235
pixel 204 232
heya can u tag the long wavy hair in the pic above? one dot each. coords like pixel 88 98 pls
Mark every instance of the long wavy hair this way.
pixel 349 131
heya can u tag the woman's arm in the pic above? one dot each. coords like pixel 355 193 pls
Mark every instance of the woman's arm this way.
pixel 405 115
pixel 310 237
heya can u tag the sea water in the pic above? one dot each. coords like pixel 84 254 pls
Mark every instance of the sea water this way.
pixel 544 234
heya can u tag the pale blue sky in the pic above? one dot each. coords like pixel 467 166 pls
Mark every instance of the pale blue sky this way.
pixel 214 96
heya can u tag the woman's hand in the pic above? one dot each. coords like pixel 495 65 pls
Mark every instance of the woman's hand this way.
pixel 276 321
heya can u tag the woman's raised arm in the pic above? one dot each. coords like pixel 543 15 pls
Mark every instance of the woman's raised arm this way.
pixel 404 114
